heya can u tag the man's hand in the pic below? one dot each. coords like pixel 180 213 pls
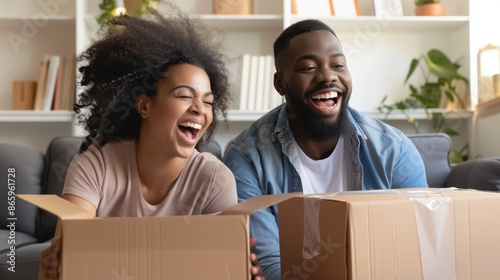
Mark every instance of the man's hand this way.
pixel 49 261
pixel 256 269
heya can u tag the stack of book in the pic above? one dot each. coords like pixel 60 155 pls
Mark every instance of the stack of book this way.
pixel 257 91
pixel 56 89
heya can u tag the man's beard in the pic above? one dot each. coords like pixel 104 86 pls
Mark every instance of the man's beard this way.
pixel 317 128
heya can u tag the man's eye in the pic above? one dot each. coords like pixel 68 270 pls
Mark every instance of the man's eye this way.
pixel 308 68
pixel 209 102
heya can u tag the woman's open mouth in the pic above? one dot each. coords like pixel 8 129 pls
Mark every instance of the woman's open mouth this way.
pixel 190 129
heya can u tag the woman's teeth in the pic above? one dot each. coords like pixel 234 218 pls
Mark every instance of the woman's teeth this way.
pixel 192 125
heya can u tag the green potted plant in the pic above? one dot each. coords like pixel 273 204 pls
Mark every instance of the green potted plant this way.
pixel 429 8
pixel 440 85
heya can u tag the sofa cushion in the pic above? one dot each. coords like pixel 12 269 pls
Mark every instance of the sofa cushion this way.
pixel 27 262
pixel 21 239
pixel 29 166
pixel 58 157
pixel 434 149
pixel 479 174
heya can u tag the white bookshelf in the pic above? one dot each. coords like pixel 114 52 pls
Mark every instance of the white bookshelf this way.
pixel 378 66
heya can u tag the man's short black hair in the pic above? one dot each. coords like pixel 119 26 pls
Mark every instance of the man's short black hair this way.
pixel 295 29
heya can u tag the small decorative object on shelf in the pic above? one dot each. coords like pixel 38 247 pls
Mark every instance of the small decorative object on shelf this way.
pixel 232 7
pixel 23 95
pixel 488 70
pixel 429 8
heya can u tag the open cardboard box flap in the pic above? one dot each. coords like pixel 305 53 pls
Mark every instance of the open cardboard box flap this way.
pixel 58 206
pixel 69 211
pixel 257 203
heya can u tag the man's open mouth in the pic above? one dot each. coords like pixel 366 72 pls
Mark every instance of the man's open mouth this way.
pixel 325 100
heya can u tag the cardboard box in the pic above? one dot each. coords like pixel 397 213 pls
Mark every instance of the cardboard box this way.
pixel 354 235
pixel 180 247
pixel 405 234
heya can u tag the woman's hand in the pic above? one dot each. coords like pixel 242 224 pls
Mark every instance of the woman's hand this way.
pixel 256 269
pixel 49 261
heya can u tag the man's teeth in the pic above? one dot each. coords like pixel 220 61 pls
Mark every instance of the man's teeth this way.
pixel 330 95
pixel 190 124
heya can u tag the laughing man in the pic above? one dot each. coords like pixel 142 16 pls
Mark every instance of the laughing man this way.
pixel 315 143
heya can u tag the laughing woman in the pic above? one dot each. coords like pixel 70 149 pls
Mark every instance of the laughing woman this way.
pixel 151 90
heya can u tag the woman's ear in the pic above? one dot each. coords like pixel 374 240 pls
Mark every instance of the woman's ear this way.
pixel 278 84
pixel 142 105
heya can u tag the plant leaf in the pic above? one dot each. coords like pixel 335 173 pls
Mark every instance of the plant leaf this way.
pixel 440 65
pixel 413 66
pixel 459 77
pixel 450 132
pixel 449 95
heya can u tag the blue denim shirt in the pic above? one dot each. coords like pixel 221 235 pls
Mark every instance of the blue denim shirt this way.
pixel 264 160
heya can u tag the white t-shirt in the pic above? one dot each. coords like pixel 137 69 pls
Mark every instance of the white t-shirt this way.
pixel 325 175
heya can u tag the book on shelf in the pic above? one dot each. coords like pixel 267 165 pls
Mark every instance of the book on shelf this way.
pixel 345 8
pixel 50 82
pixel 56 101
pixel 69 85
pixel 257 91
pixel 268 81
pixel 56 88
pixel 65 93
pixel 41 82
pixel 252 82
pixel 316 8
pixel 244 74
pixel 388 7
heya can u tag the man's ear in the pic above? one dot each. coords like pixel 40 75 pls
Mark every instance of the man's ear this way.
pixel 142 105
pixel 279 84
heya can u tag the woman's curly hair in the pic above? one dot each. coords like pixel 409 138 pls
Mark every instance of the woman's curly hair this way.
pixel 129 58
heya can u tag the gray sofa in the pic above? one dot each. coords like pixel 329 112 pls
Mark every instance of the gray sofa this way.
pixel 45 173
